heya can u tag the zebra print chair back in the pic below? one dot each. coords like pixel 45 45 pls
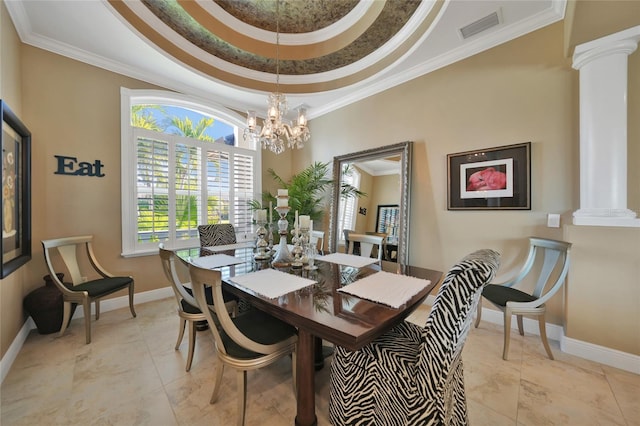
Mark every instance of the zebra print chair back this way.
pixel 413 375
pixel 217 235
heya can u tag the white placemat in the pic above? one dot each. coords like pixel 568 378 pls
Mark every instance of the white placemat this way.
pixel 347 259
pixel 272 283
pixel 216 261
pixel 386 288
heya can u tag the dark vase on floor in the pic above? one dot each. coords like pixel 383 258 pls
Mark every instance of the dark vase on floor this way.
pixel 45 305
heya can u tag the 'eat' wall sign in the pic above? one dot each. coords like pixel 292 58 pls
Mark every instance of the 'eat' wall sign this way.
pixel 71 166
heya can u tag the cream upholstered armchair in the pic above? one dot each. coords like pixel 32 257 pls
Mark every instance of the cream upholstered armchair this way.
pixel 87 285
pixel 413 375
pixel 548 263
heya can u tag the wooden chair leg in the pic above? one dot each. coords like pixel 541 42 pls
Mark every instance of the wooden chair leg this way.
pixel 543 335
pixel 86 305
pixel 66 317
pixel 183 323
pixel 520 325
pixel 507 334
pixel 479 312
pixel 242 396
pixel 192 343
pixel 218 383
pixel 131 308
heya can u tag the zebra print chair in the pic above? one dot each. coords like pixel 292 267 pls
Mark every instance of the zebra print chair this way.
pixel 413 375
pixel 216 235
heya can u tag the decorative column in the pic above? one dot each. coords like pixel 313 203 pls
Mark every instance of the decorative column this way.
pixel 603 129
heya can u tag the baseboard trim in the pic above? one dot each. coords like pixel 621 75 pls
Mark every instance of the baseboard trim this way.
pixel 107 305
pixel 592 352
pixel 14 349
pixel 603 355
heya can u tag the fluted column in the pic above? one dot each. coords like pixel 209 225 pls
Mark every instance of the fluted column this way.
pixel 603 65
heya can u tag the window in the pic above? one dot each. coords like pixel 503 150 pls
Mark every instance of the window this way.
pixel 347 209
pixel 182 167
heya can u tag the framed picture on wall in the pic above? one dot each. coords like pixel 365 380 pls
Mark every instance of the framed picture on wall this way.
pixel 490 179
pixel 387 220
pixel 15 215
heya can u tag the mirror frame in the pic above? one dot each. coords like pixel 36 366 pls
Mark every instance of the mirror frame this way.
pixel 404 149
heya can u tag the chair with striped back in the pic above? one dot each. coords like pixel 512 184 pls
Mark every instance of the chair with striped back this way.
pixel 218 234
pixel 413 375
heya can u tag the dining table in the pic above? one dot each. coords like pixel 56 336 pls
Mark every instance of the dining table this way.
pixel 322 311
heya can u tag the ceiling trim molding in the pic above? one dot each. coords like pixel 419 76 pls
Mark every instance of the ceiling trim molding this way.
pixel 291 46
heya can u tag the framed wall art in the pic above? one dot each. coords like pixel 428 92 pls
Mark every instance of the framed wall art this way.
pixel 490 179
pixel 15 215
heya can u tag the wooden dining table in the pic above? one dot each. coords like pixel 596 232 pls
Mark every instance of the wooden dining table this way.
pixel 321 312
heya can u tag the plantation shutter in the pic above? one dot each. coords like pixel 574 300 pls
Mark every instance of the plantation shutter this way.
pixel 152 190
pixel 243 191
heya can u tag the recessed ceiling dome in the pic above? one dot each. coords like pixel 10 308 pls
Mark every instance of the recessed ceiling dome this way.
pixel 323 44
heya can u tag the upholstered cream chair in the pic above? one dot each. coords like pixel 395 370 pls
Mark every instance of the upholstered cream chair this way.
pixel 413 375
pixel 88 285
pixel 548 263
pixel 250 341
pixel 188 310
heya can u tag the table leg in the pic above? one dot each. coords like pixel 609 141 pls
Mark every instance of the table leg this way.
pixel 305 372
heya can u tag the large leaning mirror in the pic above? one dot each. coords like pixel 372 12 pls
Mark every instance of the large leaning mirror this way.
pixel 382 178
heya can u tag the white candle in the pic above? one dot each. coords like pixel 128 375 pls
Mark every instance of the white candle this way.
pixel 283 202
pixel 260 215
pixel 304 221
pixel 295 222
pixel 270 212
pixel 283 192
pixel 311 225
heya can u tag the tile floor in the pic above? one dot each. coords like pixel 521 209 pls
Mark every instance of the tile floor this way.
pixel 131 375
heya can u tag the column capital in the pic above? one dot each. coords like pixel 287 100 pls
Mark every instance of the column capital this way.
pixel 625 42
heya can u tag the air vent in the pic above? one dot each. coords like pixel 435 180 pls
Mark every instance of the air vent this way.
pixel 480 25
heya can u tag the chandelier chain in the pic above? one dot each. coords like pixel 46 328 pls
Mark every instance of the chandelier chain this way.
pixel 276 129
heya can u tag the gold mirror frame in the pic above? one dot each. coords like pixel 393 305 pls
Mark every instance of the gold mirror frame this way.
pixel 402 149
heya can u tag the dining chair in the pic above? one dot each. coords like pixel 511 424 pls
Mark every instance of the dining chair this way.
pixel 384 235
pixel 367 243
pixel 547 263
pixel 88 284
pixel 247 342
pixel 413 375
pixel 317 240
pixel 217 235
pixel 188 310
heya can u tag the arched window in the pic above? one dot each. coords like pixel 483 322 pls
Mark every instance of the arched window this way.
pixel 183 165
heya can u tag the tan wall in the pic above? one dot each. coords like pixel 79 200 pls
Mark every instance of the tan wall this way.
pixel 385 191
pixel 522 91
pixel 11 288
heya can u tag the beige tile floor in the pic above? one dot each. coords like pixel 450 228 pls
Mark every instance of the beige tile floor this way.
pixel 131 375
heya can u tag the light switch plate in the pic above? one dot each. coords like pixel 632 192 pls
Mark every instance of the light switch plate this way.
pixel 553 220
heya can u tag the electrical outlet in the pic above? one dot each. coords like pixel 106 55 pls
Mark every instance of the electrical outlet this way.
pixel 553 220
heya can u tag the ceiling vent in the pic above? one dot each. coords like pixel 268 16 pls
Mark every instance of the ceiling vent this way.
pixel 480 25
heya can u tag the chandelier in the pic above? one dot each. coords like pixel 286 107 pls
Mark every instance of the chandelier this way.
pixel 276 129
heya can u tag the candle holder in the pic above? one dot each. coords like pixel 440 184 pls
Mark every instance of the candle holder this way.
pixel 262 246
pixel 283 256
pixel 298 249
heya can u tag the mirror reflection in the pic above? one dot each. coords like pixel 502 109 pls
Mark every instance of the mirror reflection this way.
pixel 371 191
